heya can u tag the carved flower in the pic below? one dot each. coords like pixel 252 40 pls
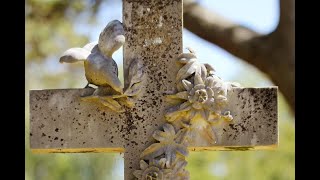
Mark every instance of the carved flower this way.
pixel 205 97
pixel 155 170
pixel 158 170
pixel 167 146
pixel 198 106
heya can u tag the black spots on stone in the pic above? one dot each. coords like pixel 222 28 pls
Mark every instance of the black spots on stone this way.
pixel 89 115
pixel 242 127
pixel 138 117
pixel 135 143
pixel 41 126
pixel 83 142
pixel 252 91
pixel 56 130
pixel 43 135
pixel 30 134
pixel 56 138
pixel 232 126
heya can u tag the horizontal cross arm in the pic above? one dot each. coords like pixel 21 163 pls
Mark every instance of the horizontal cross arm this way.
pixel 254 125
pixel 61 122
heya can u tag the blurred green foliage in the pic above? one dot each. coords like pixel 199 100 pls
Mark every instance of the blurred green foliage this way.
pixel 50 30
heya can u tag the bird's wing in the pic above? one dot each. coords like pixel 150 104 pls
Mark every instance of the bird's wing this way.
pixel 74 55
pixel 90 46
pixel 112 79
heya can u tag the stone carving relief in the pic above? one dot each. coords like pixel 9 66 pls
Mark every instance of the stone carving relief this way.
pixel 101 69
pixel 197 105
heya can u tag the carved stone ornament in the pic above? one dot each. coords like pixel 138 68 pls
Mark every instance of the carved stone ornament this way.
pixel 101 70
pixel 198 104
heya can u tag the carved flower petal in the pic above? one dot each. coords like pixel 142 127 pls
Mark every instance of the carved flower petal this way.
pixel 182 150
pixel 143 165
pixel 221 99
pixel 209 92
pixel 198 79
pixel 138 174
pixel 203 71
pixel 191 93
pixel 162 163
pixel 173 113
pixel 179 165
pixel 182 136
pixel 169 129
pixel 192 114
pixel 187 70
pixel 183 95
pixel 197 105
pixel 209 82
pixel 211 135
pixel 170 156
pixel 199 86
pixel 187 85
pixel 159 136
pixel 153 151
pixel 185 106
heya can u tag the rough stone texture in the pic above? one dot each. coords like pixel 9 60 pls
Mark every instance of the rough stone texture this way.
pixel 255 123
pixel 61 122
pixel 153 34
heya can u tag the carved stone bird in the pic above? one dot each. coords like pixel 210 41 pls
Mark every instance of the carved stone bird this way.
pixel 100 69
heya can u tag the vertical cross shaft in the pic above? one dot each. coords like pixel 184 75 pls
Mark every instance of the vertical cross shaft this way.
pixel 154 35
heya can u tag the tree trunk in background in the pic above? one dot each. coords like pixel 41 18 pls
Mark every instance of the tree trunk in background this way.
pixel 273 53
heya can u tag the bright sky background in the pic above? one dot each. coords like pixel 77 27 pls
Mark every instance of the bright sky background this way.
pixel 260 15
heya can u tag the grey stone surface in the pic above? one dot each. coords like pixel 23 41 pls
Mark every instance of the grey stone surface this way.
pixel 153 34
pixel 61 122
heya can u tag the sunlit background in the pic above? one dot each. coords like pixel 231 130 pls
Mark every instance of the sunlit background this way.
pixel 53 26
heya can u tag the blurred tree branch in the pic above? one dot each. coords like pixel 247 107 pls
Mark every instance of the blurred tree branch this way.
pixel 272 53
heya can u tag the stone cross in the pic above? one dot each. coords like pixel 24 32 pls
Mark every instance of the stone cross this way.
pixel 61 122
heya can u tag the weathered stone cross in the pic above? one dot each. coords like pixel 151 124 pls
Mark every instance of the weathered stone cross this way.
pixel 61 122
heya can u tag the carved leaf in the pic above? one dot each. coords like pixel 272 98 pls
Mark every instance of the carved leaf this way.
pixel 134 89
pixel 112 104
pixel 187 85
pixel 187 70
pixel 167 146
pixel 136 76
pixel 135 71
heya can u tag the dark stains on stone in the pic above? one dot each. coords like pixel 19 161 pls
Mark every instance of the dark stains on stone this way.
pixel 41 126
